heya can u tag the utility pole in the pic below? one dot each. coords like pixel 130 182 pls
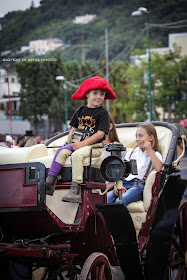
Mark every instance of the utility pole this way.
pixel 106 59
pixel 141 11
pixel 149 68
pixel 83 46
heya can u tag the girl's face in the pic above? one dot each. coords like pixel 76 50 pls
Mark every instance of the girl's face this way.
pixel 95 98
pixel 142 136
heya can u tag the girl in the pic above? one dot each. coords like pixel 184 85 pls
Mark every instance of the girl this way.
pixel 148 156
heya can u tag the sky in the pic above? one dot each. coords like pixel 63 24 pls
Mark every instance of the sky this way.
pixel 14 5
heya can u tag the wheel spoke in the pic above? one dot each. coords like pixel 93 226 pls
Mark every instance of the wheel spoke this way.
pixel 94 272
pixel 178 269
pixel 179 249
pixel 101 272
pixel 96 267
pixel 177 263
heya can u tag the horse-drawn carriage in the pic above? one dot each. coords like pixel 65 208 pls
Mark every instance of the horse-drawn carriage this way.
pixel 42 235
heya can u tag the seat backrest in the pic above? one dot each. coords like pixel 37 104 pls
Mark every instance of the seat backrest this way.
pixel 167 136
pixel 128 139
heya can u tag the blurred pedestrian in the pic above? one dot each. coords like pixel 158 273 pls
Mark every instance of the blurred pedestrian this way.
pixel 3 140
pixel 20 141
pixel 38 139
pixel 9 141
pixel 30 142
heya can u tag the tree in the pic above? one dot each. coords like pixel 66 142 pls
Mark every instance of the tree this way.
pixel 40 93
pixel 170 84
pixel 168 80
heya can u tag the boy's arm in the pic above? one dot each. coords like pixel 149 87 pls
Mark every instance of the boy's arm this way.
pixel 89 141
pixel 70 134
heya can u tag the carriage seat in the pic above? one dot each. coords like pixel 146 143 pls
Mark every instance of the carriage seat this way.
pixel 39 153
pixel 22 155
pixel 138 210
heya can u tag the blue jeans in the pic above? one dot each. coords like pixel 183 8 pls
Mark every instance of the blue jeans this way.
pixel 134 193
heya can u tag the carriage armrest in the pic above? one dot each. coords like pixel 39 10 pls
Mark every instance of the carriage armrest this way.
pixel 143 206
pixel 147 193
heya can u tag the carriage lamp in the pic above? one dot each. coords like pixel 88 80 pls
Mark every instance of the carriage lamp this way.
pixel 113 168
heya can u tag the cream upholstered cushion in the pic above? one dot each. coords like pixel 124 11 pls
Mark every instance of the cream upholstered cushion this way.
pixel 127 136
pixel 138 210
pixel 22 155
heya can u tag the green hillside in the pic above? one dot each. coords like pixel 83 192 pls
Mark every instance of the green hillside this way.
pixel 54 18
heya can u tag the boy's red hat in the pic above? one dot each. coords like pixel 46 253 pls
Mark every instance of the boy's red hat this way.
pixel 93 83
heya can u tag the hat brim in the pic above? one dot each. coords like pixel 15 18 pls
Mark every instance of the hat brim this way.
pixel 91 84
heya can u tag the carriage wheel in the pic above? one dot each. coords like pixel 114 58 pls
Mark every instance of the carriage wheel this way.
pixel 178 258
pixel 96 267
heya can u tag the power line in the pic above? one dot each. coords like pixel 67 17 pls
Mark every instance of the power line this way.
pixel 168 24
pixel 134 41
pixel 129 51
pixel 180 26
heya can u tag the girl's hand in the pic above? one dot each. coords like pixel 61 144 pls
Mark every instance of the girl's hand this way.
pixel 147 145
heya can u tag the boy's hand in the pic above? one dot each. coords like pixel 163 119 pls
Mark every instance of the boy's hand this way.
pixel 77 145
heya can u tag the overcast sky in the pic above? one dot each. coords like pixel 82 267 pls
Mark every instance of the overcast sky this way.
pixel 14 5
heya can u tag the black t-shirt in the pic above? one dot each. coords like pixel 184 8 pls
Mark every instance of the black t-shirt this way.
pixel 91 119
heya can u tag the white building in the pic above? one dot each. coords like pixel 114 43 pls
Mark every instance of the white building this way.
pixel 18 125
pixel 84 19
pixel 14 85
pixel 41 47
pixel 180 39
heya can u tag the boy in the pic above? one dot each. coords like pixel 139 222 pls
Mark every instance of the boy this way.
pixel 89 125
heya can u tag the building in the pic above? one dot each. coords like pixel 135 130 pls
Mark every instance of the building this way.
pixel 84 19
pixel 41 47
pixel 18 125
pixel 180 39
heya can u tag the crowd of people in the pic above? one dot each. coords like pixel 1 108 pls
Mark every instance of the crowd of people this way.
pixel 26 140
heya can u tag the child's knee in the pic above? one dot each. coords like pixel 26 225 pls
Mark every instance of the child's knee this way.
pixel 63 155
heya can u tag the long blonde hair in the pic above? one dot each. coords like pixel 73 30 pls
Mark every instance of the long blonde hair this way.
pixel 149 127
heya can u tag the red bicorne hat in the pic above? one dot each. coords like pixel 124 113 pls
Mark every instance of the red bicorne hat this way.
pixel 93 83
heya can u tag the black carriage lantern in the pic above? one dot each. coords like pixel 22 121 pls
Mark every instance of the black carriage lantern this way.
pixel 113 168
